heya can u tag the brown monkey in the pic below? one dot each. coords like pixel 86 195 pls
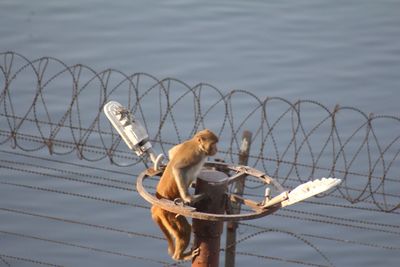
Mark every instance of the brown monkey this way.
pixel 186 162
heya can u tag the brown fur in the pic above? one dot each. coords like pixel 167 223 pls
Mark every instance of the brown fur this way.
pixel 186 161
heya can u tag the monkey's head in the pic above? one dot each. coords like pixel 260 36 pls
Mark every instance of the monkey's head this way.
pixel 207 141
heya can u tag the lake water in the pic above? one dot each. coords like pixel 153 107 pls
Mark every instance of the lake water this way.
pixel 338 52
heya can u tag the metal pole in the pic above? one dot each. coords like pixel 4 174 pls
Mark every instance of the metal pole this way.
pixel 207 234
pixel 238 188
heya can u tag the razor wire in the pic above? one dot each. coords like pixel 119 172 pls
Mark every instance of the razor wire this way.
pixel 298 140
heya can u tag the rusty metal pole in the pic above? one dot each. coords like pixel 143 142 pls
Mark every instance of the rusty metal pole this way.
pixel 238 188
pixel 207 234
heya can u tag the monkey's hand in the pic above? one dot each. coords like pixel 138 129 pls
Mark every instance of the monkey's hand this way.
pixel 190 200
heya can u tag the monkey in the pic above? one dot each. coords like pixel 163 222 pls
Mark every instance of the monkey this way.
pixel 186 162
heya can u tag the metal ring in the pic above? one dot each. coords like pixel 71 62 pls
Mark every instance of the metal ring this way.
pixel 188 211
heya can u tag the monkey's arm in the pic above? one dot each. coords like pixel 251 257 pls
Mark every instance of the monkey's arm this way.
pixel 183 185
pixel 178 174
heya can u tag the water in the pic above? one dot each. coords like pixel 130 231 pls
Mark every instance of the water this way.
pixel 339 52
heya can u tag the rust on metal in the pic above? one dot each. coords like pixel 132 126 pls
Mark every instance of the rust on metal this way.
pixel 207 233
pixel 235 207
pixel 189 211
pixel 256 206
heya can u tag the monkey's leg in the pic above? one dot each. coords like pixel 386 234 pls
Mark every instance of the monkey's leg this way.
pixel 182 239
pixel 159 217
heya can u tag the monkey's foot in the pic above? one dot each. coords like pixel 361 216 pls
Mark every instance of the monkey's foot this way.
pixel 171 251
pixel 195 252
pixel 187 255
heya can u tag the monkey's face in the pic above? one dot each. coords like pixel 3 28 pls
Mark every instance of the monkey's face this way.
pixel 207 142
pixel 211 149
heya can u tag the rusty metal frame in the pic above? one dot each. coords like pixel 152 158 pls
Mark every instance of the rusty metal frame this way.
pixel 188 211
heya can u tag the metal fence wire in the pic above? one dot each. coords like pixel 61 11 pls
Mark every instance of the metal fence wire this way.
pixel 49 106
